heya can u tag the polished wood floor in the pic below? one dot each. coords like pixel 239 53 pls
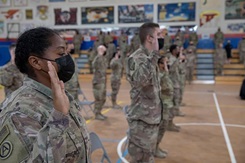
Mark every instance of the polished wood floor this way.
pixel 212 131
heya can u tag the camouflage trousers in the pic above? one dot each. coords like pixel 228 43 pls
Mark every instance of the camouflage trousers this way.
pixel 176 100
pixel 182 86
pixel 189 73
pixel 77 48
pixel 90 67
pixel 242 56
pixel 219 69
pixel 142 141
pixel 115 86
pixel 99 91
pixel 166 114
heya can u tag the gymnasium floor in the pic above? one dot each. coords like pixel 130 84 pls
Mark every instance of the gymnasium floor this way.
pixel 212 131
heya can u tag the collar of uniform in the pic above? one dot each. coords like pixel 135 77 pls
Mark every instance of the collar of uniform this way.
pixel 37 86
pixel 147 52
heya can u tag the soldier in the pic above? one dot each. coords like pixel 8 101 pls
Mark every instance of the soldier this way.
pixel 40 122
pixel 192 47
pixel 191 61
pixel 92 54
pixel 220 59
pixel 96 44
pixel 175 78
pixel 72 86
pixel 167 42
pixel 241 50
pixel 10 76
pixel 108 39
pixel 111 49
pixel 101 38
pixel 182 66
pixel 167 94
pixel 99 82
pixel 193 38
pixel 181 37
pixel 135 42
pixel 218 38
pixel 77 40
pixel 116 67
pixel 178 41
pixel 144 114
pixel 122 39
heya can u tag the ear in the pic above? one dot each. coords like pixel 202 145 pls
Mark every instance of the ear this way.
pixel 35 62
pixel 149 39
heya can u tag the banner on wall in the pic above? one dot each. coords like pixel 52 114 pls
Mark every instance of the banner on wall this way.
pixel 5 3
pixel 175 12
pixel 235 9
pixel 236 27
pixel 135 13
pixel 97 15
pixel 65 17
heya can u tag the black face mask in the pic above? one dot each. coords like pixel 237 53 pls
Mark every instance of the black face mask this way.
pixel 160 43
pixel 66 67
pixel 104 53
pixel 168 66
pixel 177 55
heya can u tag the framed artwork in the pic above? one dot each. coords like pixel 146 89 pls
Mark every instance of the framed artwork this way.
pixel 97 15
pixel 65 17
pixel 135 13
pixel 234 9
pixel 176 12
pixel 20 3
pixel 77 0
pixel 29 14
pixel 5 3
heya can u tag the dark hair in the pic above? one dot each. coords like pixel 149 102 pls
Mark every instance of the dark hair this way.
pixel 32 42
pixel 159 60
pixel 145 30
pixel 172 48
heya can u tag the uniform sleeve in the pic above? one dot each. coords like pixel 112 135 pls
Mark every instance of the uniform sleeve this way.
pixel 44 143
pixel 142 74
pixel 6 78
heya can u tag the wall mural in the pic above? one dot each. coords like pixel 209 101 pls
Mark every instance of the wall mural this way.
pixel 65 17
pixel 235 9
pixel 175 12
pixel 135 13
pixel 97 15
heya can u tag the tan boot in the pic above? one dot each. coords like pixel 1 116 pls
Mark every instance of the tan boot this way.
pixel 116 106
pixel 159 153
pixel 180 114
pixel 172 127
pixel 99 116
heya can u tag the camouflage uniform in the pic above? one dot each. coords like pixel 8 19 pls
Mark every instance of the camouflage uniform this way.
pixel 116 67
pixel 182 73
pixel 99 82
pixel 101 39
pixel 96 44
pixel 135 43
pixel 11 78
pixel 193 48
pixel 122 40
pixel 241 49
pixel 167 42
pixel 108 39
pixel 194 38
pixel 92 55
pixel 175 78
pixel 181 37
pixel 77 40
pixel 144 114
pixel 218 38
pixel 72 85
pixel 167 97
pixel 220 58
pixel 191 60
pixel 179 43
pixel 111 49
pixel 33 131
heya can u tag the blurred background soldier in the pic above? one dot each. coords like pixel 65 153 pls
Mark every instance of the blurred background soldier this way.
pixel 116 67
pixel 99 82
pixel 175 78
pixel 10 76
pixel 167 42
pixel 122 39
pixel 92 54
pixel 111 49
pixel 241 50
pixel 192 47
pixel 218 38
pixel 135 42
pixel 190 65
pixel 182 72
pixel 96 44
pixel 101 38
pixel 72 85
pixel 193 37
pixel 220 59
pixel 181 36
pixel 108 39
pixel 77 40
pixel 228 48
pixel 178 41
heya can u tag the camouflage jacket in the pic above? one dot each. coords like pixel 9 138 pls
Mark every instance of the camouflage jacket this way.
pixel 99 66
pixel 11 78
pixel 167 41
pixel 116 67
pixel 142 74
pixel 191 60
pixel 220 56
pixel 219 36
pixel 33 131
pixel 174 71
pixel 167 90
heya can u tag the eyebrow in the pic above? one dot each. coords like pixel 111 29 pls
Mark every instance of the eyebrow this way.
pixel 60 47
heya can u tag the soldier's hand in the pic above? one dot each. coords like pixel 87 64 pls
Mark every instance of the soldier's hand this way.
pixel 60 100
